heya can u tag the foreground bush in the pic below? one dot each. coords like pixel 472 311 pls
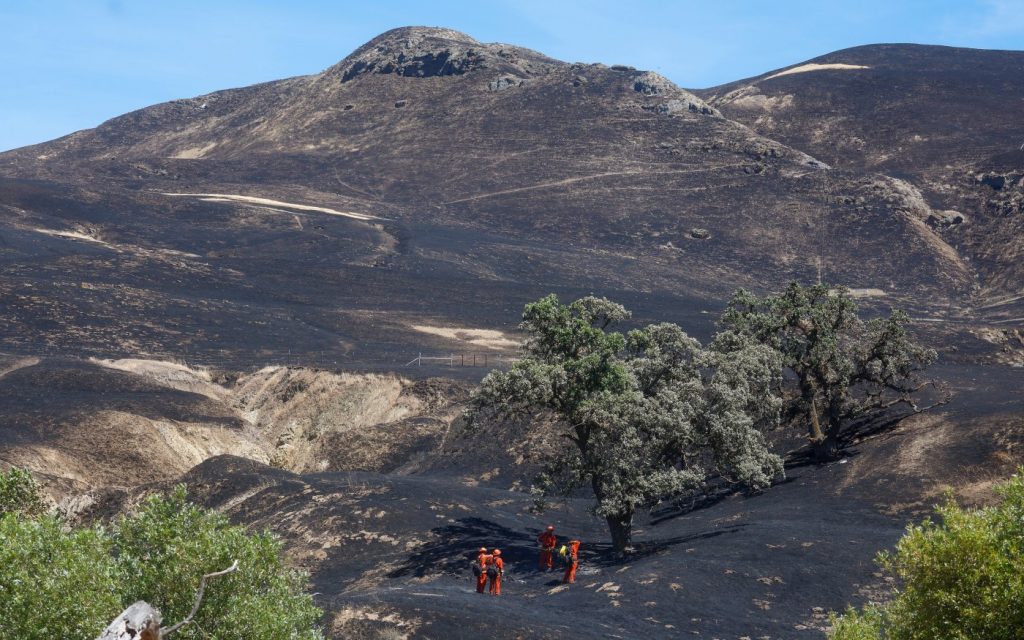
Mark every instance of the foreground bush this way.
pixel 54 583
pixel 19 493
pixel 962 577
pixel 60 583
pixel 165 549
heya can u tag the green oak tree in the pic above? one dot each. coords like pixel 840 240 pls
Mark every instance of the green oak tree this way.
pixel 644 416
pixel 843 367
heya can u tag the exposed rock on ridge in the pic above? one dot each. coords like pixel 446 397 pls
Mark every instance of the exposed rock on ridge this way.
pixel 423 52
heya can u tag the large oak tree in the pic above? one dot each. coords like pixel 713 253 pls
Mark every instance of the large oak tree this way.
pixel 644 416
pixel 843 367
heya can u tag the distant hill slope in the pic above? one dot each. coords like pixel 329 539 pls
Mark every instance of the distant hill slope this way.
pixel 431 180
pixel 947 120
pixel 890 107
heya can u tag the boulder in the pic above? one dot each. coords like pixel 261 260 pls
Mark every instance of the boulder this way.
pixel 504 82
pixel 945 219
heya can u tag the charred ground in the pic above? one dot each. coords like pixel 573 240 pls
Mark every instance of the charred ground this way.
pixel 478 183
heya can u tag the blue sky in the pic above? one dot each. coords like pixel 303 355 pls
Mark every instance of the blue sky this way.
pixel 71 64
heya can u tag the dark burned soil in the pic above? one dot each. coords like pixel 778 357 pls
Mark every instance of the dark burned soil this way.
pixel 319 220
pixel 393 552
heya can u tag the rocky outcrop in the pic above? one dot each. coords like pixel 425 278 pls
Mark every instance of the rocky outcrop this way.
pixel 423 52
pixel 677 100
pixel 505 82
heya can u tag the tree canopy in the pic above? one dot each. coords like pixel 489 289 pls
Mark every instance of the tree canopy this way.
pixel 843 366
pixel 645 416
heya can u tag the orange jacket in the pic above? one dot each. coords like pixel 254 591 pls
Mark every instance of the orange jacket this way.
pixel 484 559
pixel 498 562
pixel 574 549
pixel 547 540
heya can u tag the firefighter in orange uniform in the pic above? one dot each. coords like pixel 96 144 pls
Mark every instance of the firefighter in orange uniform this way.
pixel 480 569
pixel 572 559
pixel 495 570
pixel 547 541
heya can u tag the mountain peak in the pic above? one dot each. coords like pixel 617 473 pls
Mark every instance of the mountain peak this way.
pixel 417 34
pixel 414 51
pixel 430 52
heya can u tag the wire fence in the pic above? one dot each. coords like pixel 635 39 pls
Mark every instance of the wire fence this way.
pixel 464 360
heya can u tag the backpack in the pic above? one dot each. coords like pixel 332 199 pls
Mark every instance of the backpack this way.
pixel 477 569
pixel 492 569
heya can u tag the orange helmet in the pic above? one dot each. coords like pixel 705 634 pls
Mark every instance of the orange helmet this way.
pixel 483 549
pixel 551 527
pixel 496 552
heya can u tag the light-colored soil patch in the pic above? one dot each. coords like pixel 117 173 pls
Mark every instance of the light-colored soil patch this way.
pixel 121 449
pixel 74 235
pixel 300 411
pixel 144 252
pixel 194 153
pixel 169 374
pixel 374 623
pixel 486 338
pixel 763 102
pixel 227 197
pixel 20 363
pixel 804 68
pixel 867 293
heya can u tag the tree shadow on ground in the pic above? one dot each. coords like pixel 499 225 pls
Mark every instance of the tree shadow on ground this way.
pixel 865 427
pixel 454 546
pixel 605 555
pixel 716 491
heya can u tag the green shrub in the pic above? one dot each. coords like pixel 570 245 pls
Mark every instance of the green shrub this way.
pixel 19 493
pixel 169 544
pixel 962 576
pixel 54 583
pixel 857 625
pixel 65 583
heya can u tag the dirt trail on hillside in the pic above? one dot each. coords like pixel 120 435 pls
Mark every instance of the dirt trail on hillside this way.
pixel 813 66
pixel 228 197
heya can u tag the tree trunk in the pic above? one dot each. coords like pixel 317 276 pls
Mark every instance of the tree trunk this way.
pixel 621 528
pixel 826 449
pixel 824 442
pixel 814 427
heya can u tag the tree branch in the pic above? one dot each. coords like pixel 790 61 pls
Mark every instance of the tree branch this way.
pixel 199 599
